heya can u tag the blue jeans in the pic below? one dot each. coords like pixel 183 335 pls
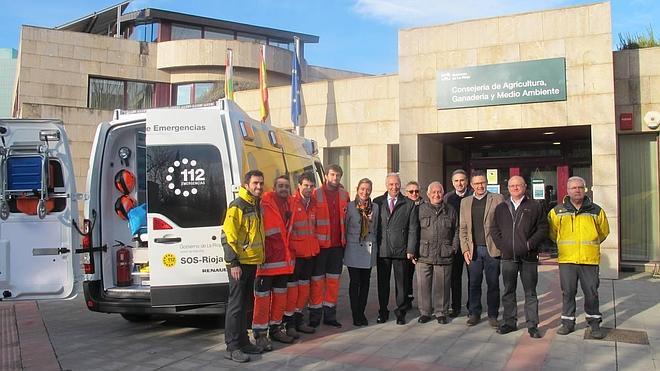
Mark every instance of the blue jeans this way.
pixel 483 262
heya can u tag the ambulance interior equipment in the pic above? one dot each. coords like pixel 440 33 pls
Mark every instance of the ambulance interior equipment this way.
pixel 188 164
pixel 38 203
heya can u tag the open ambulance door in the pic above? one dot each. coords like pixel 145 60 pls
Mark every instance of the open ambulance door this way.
pixel 188 175
pixel 38 202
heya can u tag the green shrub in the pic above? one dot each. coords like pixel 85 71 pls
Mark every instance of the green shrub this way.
pixel 638 41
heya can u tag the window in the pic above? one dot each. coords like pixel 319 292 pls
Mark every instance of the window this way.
pixel 248 37
pixel 145 32
pixel 392 158
pixel 184 32
pixel 271 163
pixel 218 34
pixel 199 92
pixel 288 45
pixel 109 94
pixel 186 184
pixel 639 197
pixel 296 166
pixel 340 156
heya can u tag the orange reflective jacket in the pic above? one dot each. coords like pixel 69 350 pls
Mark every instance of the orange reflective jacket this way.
pixel 323 216
pixel 302 230
pixel 278 257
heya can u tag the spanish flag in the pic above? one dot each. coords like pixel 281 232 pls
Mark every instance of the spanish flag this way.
pixel 229 75
pixel 263 86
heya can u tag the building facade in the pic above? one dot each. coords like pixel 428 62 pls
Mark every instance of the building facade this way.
pixel 7 78
pixel 538 94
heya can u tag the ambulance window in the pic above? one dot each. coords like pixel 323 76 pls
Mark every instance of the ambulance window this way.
pixel 141 162
pixel 185 183
pixel 271 163
pixel 298 165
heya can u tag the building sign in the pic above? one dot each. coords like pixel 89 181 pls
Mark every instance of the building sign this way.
pixel 498 84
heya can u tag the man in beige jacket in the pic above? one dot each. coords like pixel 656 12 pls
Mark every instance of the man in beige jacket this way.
pixel 479 250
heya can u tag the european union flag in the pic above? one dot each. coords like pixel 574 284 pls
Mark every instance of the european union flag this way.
pixel 295 90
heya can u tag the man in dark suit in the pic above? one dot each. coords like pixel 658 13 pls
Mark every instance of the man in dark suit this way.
pixel 397 241
pixel 459 180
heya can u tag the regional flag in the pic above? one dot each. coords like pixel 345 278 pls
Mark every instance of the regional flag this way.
pixel 263 86
pixel 229 75
pixel 295 90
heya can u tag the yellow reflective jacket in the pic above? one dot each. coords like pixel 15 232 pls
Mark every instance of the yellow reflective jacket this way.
pixel 578 233
pixel 243 231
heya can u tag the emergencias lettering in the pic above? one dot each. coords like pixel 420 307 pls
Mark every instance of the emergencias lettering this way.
pixel 178 128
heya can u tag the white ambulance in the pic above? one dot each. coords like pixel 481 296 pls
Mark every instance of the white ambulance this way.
pixel 38 207
pixel 188 165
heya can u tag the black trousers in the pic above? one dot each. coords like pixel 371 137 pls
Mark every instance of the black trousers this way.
pixel 569 275
pixel 358 290
pixel 457 282
pixel 401 277
pixel 529 276
pixel 239 305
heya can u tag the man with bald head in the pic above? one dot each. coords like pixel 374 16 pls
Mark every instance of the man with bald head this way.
pixel 397 242
pixel 520 228
pixel 438 243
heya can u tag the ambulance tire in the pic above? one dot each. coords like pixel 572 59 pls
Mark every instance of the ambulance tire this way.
pixel 136 317
pixel 4 210
pixel 41 209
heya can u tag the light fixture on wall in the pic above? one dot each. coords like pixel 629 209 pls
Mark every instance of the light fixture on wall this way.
pixel 652 119
pixel 468 137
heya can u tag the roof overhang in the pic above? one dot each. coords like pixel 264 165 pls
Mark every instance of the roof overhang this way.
pixel 149 14
pixel 97 22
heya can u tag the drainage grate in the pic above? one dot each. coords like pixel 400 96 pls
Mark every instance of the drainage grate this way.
pixel 620 335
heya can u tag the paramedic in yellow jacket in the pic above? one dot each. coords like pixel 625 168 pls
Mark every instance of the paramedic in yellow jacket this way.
pixel 243 243
pixel 579 226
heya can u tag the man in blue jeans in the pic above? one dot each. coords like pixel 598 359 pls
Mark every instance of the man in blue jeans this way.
pixel 477 219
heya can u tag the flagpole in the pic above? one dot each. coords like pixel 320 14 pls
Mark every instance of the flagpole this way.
pixel 296 45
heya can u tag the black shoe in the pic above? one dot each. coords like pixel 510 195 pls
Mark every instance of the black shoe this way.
pixel 423 319
pixel 534 332
pixel 401 319
pixel 443 320
pixel 505 329
pixel 237 356
pixel 473 320
pixel 597 332
pixel 332 323
pixel 252 349
pixel 382 317
pixel 314 323
pixel 454 313
pixel 364 322
pixel 565 330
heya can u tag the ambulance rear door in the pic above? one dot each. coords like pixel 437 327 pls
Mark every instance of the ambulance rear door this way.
pixel 37 243
pixel 188 175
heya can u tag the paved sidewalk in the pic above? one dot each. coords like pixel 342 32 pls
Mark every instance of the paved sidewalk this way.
pixel 65 335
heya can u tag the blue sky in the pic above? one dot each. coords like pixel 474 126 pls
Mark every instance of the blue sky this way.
pixel 357 35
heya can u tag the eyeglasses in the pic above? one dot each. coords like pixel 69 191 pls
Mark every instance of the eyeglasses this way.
pixel 413 191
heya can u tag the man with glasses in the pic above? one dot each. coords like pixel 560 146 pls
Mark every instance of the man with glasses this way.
pixel 459 180
pixel 479 250
pixel 413 193
pixel 579 226
pixel 520 228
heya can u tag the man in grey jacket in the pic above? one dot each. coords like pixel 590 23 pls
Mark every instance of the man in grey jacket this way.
pixel 438 242
pixel 397 242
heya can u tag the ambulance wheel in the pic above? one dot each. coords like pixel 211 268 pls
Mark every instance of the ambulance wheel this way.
pixel 4 211
pixel 41 209
pixel 136 317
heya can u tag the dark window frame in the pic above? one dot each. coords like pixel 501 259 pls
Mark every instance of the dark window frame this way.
pixel 124 92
